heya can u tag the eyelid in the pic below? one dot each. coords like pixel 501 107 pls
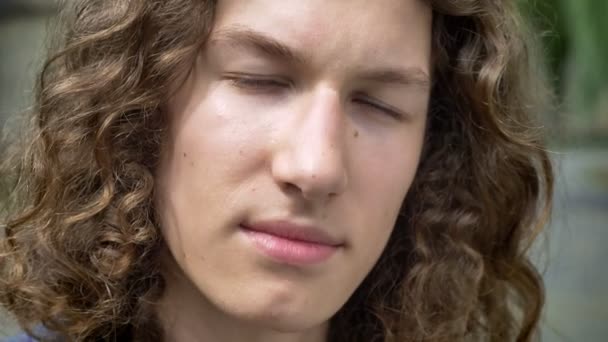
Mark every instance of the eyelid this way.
pixel 390 110
pixel 253 78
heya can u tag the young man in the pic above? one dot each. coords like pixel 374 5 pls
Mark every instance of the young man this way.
pixel 304 171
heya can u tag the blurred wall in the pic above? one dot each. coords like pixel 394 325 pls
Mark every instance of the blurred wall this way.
pixel 22 39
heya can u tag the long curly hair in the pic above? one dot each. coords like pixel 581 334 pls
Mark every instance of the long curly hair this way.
pixel 81 246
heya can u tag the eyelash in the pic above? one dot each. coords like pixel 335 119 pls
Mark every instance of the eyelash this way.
pixel 383 109
pixel 261 84
pixel 257 83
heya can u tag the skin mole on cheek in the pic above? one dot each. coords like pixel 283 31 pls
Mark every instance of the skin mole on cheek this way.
pixel 356 134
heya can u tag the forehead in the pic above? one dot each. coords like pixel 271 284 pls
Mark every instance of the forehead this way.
pixel 339 31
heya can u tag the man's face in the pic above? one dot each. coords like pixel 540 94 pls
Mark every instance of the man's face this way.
pixel 291 148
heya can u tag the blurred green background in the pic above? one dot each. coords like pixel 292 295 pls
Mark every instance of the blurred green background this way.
pixel 574 37
pixel 573 41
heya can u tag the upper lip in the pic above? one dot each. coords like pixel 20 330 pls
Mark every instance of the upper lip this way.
pixel 294 231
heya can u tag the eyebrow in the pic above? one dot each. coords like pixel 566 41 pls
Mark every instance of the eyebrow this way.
pixel 247 38
pixel 407 77
pixel 238 36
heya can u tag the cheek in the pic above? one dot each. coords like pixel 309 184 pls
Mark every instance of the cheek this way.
pixel 208 160
pixel 211 132
pixel 208 120
pixel 217 135
pixel 383 184
pixel 388 164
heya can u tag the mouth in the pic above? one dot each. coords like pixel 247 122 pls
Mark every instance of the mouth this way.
pixel 291 244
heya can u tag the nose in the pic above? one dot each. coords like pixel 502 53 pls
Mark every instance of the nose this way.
pixel 310 155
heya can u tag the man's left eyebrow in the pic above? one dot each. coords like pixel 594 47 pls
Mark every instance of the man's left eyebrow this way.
pixel 412 76
pixel 244 37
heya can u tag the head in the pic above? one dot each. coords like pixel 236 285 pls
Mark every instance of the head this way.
pixel 393 136
pixel 320 124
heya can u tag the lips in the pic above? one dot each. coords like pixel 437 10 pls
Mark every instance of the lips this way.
pixel 290 243
pixel 292 231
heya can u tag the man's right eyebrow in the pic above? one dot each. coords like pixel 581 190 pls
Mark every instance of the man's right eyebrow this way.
pixel 247 38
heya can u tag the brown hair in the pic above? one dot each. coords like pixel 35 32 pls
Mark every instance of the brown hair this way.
pixel 81 246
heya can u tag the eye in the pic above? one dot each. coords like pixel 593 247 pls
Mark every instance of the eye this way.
pixel 257 83
pixel 378 107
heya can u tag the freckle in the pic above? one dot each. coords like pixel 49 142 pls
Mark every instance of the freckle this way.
pixel 314 176
pixel 185 154
pixel 356 134
pixel 254 190
pixel 241 152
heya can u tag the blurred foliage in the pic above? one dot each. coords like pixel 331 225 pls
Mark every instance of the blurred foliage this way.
pixel 574 34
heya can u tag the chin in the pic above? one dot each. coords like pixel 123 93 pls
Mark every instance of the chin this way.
pixel 288 322
pixel 282 312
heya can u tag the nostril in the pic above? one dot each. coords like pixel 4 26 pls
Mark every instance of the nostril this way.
pixel 291 188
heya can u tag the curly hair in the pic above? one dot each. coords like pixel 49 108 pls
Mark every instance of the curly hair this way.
pixel 81 248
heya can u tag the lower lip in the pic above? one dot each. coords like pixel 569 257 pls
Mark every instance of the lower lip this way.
pixel 290 251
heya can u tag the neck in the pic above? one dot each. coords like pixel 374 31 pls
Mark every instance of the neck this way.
pixel 187 316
